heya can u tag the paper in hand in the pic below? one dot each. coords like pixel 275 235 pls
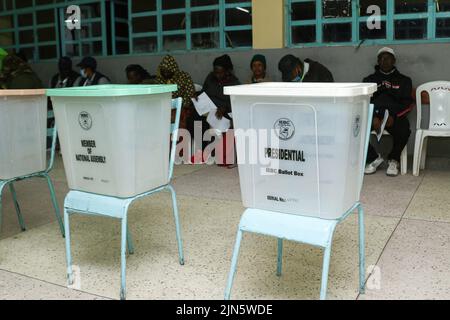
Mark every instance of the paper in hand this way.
pixel 221 125
pixel 204 104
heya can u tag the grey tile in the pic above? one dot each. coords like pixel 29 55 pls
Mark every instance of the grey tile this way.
pixel 17 287
pixel 415 263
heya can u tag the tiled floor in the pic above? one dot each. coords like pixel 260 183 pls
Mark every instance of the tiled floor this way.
pixel 408 245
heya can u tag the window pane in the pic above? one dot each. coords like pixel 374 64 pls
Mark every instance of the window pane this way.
pixel 205 40
pixel 92 49
pixel 175 42
pixel 443 5
pixel 242 38
pixel 443 28
pixel 174 21
pixel 145 45
pixel 45 16
pixel 337 32
pixel 122 47
pixel 411 6
pixel 411 29
pixel 122 30
pixel 46 34
pixel 26 36
pixel 6 39
pixel 303 11
pixel 365 4
pixel 237 17
pixel 144 24
pixel 205 19
pixel 25 20
pixel 366 33
pixel 142 6
pixel 173 4
pixel 197 3
pixel 337 8
pixel 304 34
pixel 47 52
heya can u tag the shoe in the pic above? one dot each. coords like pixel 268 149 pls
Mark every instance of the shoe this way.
pixel 372 167
pixel 393 168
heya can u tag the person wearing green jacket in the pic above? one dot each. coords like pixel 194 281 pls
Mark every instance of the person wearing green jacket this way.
pixel 17 74
pixel 3 55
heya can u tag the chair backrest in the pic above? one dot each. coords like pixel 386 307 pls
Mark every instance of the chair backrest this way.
pixel 439 92
pixel 176 105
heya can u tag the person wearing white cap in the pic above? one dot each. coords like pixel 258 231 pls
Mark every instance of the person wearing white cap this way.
pixel 394 95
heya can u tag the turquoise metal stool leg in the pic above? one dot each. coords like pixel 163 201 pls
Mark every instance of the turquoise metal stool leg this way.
pixel 280 257
pixel 68 251
pixel 177 224
pixel 234 261
pixel 129 241
pixel 55 203
pixel 123 257
pixel 325 271
pixel 362 256
pixel 16 205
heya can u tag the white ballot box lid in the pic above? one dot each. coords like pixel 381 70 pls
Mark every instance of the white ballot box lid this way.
pixel 312 89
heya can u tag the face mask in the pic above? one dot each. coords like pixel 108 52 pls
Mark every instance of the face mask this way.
pixel 83 73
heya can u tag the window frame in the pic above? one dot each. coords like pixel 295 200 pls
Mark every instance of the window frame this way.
pixel 108 28
pixel 389 18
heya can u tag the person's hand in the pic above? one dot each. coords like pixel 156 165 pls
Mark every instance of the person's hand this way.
pixel 376 123
pixel 195 97
pixel 220 113
pixel 390 122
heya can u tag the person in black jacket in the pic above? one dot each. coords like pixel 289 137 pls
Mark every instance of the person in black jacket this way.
pixel 295 70
pixel 66 78
pixel 394 95
pixel 89 73
pixel 221 76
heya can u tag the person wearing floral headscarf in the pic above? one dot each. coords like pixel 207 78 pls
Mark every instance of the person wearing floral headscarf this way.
pixel 17 74
pixel 170 73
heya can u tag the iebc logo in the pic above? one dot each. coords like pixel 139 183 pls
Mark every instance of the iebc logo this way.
pixel 85 120
pixel 284 128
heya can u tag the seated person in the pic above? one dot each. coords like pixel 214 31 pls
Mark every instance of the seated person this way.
pixel 90 75
pixel 258 65
pixel 221 76
pixel 394 95
pixel 17 74
pixel 295 70
pixel 66 77
pixel 136 74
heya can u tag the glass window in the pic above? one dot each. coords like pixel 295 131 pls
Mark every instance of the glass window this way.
pixel 303 11
pixel 411 29
pixel 411 6
pixel 336 8
pixel 304 34
pixel 337 32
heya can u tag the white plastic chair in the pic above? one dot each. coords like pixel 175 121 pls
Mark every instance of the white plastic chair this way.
pixel 439 125
pixel 403 156
pixel 99 205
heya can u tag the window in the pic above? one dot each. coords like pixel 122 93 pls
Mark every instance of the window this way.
pixel 164 26
pixel 119 27
pixel 352 22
